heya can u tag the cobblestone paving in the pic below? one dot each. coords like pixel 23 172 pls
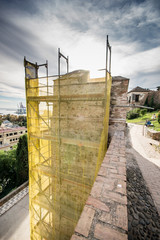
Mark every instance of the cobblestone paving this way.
pixel 148 161
pixel 143 217
pixel 6 206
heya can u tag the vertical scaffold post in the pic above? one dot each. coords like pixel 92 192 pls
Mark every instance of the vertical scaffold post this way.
pixel 108 60
pixel 67 64
pixel 59 75
pixel 107 84
pixel 106 68
pixel 59 139
pixel 47 76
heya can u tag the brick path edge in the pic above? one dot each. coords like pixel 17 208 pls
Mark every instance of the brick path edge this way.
pixel 105 213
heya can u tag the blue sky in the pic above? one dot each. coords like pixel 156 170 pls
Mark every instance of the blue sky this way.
pixel 36 29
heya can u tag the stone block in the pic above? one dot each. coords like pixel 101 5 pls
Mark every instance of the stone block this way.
pixel 108 185
pixel 115 197
pixel 75 237
pixel 103 233
pixel 97 204
pixel 117 218
pixel 96 190
pixel 121 187
pixel 85 221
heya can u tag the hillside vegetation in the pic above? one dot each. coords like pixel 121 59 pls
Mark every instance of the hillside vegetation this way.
pixel 13 167
pixel 139 116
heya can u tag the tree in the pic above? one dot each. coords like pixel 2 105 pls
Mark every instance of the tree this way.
pixel 159 118
pixel 152 101
pixel 7 171
pixel 146 102
pixel 22 160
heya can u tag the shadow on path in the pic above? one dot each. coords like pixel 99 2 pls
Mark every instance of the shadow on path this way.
pixel 14 224
pixel 143 217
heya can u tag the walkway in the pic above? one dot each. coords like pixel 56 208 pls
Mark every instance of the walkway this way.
pixel 148 160
pixel 14 223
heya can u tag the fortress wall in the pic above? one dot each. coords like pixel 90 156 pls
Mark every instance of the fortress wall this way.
pixel 118 104
pixel 105 213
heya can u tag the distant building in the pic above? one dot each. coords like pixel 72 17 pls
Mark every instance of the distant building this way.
pixel 8 124
pixel 10 136
pixel 137 95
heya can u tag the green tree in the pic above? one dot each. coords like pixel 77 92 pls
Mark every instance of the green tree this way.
pixel 159 118
pixel 8 174
pixel 146 102
pixel 8 117
pixel 22 160
pixel 152 101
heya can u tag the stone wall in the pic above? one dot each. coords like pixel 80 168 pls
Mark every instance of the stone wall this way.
pixel 105 213
pixel 152 134
pixel 155 95
pixel 118 107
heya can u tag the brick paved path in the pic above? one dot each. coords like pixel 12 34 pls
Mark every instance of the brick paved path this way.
pixel 148 160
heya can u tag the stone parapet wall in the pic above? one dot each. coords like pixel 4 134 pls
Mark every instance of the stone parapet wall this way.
pixel 118 104
pixel 152 134
pixel 105 213
pixel 13 193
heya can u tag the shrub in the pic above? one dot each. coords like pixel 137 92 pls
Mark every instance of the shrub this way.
pixel 143 112
pixel 157 107
pixel 135 113
pixel 158 117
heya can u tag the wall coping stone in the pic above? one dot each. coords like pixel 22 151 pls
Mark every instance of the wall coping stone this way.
pixel 119 78
pixel 105 213
pixel 13 193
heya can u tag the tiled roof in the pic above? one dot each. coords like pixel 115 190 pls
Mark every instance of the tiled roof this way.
pixel 12 129
pixel 139 89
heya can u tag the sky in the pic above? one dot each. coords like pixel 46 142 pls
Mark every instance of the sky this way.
pixel 36 29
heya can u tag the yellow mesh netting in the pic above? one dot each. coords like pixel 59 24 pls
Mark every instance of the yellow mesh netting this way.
pixel 67 140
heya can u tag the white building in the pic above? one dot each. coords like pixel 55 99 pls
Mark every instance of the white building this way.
pixel 10 136
pixel 137 95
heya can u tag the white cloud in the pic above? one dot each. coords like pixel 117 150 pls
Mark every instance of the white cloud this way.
pixel 80 31
pixel 5 100
pixel 141 62
pixel 9 91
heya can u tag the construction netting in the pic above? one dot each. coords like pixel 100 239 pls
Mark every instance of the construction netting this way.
pixel 67 121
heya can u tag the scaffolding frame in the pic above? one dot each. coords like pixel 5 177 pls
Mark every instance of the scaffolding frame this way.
pixel 67 117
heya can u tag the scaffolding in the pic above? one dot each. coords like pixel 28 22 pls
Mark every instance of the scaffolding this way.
pixel 67 120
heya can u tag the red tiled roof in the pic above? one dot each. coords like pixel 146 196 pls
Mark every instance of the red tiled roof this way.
pixel 139 89
pixel 12 129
